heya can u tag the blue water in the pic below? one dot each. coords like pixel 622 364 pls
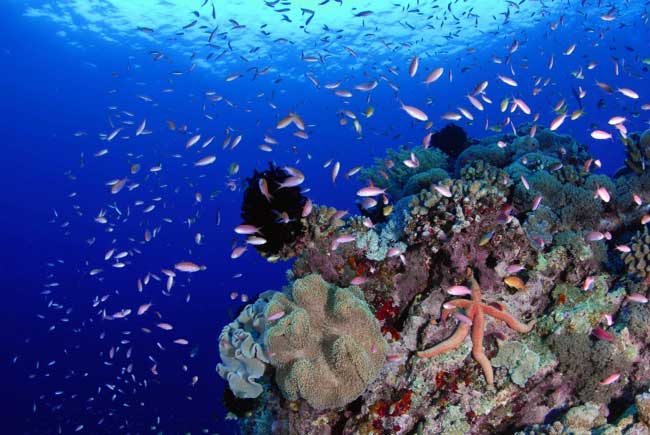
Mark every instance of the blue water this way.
pixel 62 76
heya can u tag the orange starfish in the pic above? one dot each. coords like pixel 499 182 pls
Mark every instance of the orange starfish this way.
pixel 475 311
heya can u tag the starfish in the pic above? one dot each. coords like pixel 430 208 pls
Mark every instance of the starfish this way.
pixel 476 311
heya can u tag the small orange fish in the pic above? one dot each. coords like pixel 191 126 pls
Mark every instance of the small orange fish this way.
pixel 515 282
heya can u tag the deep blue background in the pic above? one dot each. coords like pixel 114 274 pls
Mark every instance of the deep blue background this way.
pixel 49 91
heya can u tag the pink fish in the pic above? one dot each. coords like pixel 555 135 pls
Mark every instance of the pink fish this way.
pixel 370 191
pixel 610 379
pixel 393 357
pixel 594 236
pixel 589 281
pixel 306 209
pixel 514 268
pixel 339 215
pixel 367 222
pixel 608 318
pixel 415 113
pixel 275 316
pixel 623 248
pixel 462 318
pixel 413 68
pixel 637 199
pixel 459 290
pixel 603 194
pixel 238 252
pixel 602 334
pixel 601 135
pixel 246 229
pixel 292 181
pixel 536 202
pixel 525 182
pixel 507 80
pixel 346 238
pixel 411 164
pixel 359 280
pixel 393 252
pixel 638 297
pixel 645 219
pixel 443 190
pixel 264 189
pixel 368 203
pixel 256 241
pixel 335 171
pixel 557 122
pixel 434 75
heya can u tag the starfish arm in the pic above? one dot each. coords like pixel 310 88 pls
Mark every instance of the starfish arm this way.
pixel 477 346
pixel 510 321
pixel 451 343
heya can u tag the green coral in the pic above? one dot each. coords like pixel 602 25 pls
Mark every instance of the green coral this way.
pixel 396 178
pixel 327 347
pixel 581 309
pixel 454 421
pixel 523 359
pixel 423 180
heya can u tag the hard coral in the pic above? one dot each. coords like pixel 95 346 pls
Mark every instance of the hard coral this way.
pixel 327 347
pixel 280 231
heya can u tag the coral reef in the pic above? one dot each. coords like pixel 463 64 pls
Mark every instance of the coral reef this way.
pixel 556 260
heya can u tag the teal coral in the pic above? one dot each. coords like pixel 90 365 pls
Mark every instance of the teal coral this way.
pixel 523 359
pixel 396 178
pixel 376 242
pixel 327 347
pixel 582 310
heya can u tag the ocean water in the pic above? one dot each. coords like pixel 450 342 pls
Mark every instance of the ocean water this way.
pixel 74 72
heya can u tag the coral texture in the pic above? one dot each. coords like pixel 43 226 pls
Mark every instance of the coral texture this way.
pixel 327 347
pixel 243 360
